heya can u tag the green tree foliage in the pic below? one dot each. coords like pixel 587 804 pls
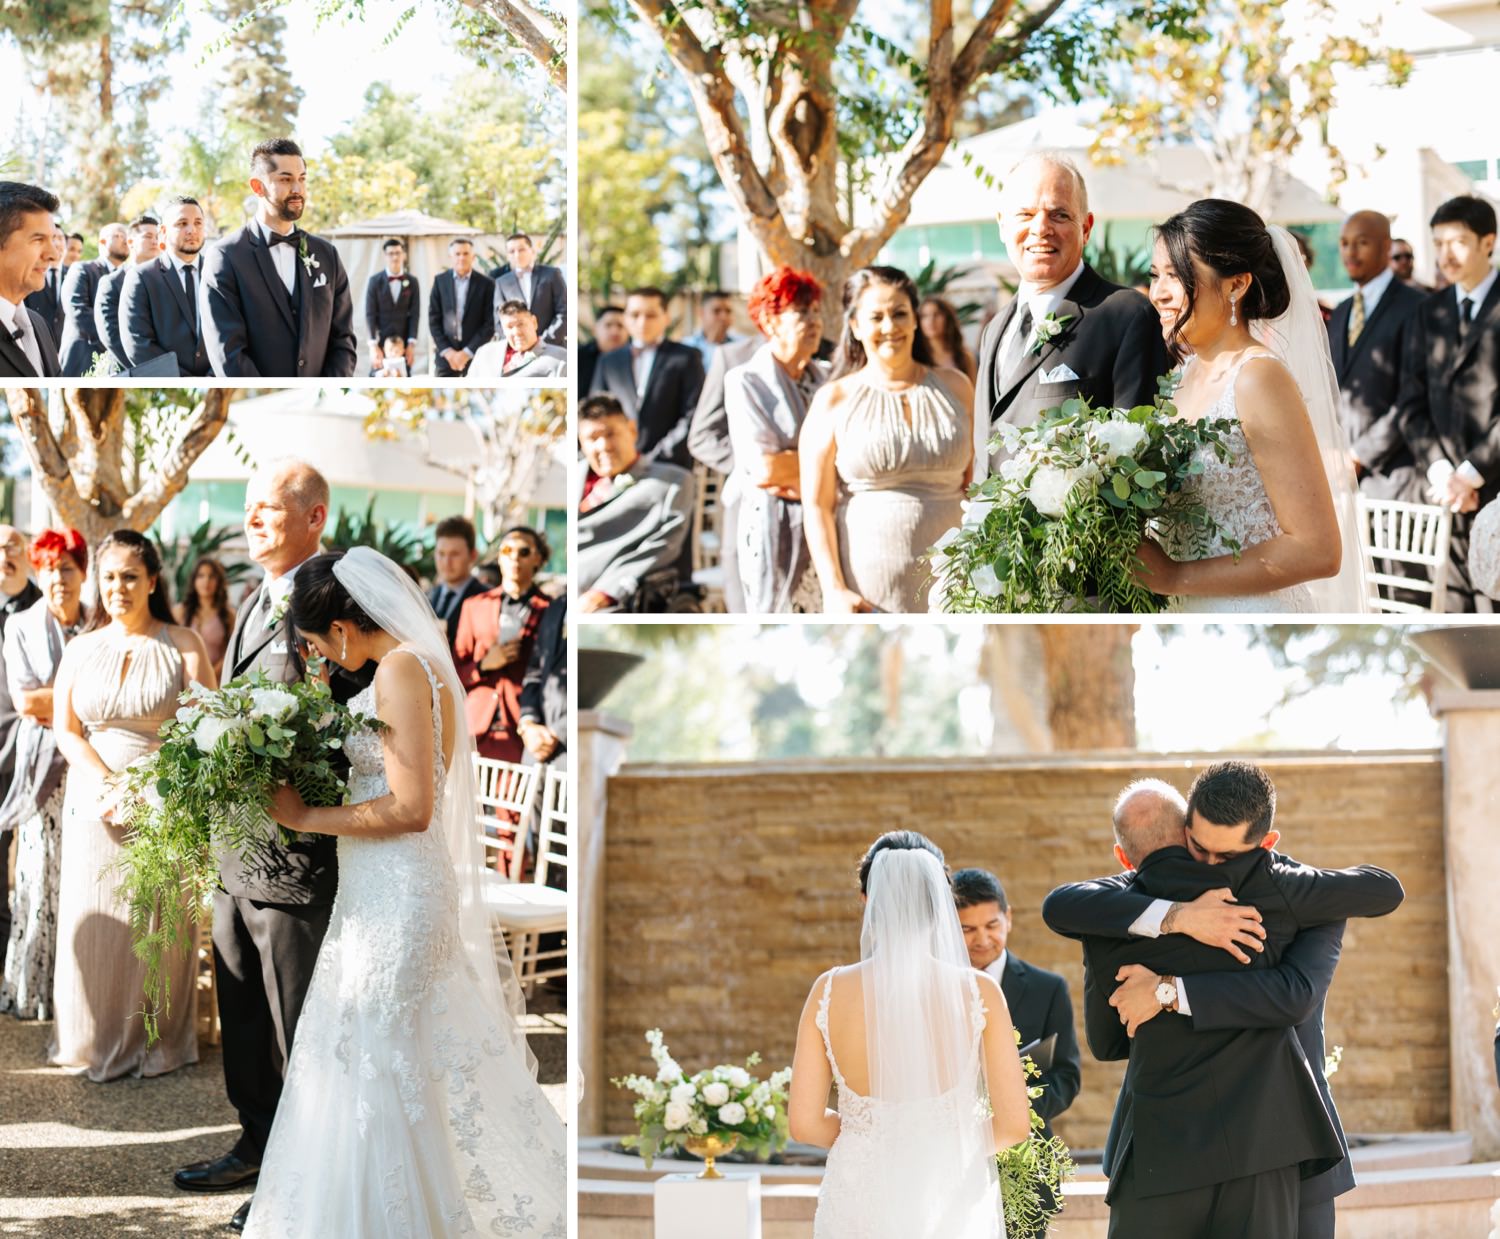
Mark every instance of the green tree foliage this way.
pixel 254 84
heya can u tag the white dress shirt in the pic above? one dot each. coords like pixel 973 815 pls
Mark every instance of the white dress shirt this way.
pixel 460 295
pixel 1148 925
pixel 284 257
pixel 1041 302
pixel 996 968
pixel 523 278
pixel 640 366
pixel 14 317
pixel 1374 290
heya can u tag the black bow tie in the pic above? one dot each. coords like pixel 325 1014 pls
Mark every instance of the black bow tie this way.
pixel 290 238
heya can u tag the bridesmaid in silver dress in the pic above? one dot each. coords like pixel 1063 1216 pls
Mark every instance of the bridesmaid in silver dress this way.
pixel 117 684
pixel 886 453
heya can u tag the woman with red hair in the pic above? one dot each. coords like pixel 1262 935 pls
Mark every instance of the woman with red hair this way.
pixel 34 642
pixel 765 402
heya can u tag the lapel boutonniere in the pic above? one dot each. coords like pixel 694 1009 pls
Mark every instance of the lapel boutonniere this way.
pixel 620 481
pixel 309 263
pixel 405 283
pixel 1046 330
pixel 278 610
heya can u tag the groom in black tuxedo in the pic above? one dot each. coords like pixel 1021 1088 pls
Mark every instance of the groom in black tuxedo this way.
pixel 26 347
pixel 1450 391
pixel 275 300
pixel 270 915
pixel 1105 341
pixel 1222 1110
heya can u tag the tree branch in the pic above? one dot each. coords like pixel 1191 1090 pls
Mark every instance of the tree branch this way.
pixel 535 34
pixel 967 66
pixel 142 509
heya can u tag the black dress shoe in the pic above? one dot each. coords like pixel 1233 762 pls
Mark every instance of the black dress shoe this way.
pixel 225 1175
pixel 241 1216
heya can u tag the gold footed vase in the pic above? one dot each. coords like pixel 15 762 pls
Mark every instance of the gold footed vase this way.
pixel 710 1147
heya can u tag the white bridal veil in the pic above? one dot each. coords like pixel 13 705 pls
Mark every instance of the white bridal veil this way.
pixel 1300 339
pixel 388 596
pixel 923 1046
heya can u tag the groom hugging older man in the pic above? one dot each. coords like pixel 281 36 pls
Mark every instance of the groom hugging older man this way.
pixel 1206 965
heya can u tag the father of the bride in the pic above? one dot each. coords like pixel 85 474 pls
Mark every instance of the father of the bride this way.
pixel 275 300
pixel 1068 331
pixel 1221 1122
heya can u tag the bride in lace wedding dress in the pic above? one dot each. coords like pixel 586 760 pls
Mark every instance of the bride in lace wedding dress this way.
pixel 1235 300
pixel 410 1106
pixel 920 1048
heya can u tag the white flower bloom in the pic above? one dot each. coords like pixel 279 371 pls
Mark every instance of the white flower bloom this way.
pixel 770 1114
pixel 1014 469
pixel 1049 489
pixel 210 730
pixel 984 580
pixel 678 1115
pixel 187 714
pixel 716 1094
pixel 947 540
pixel 699 1127
pixel 273 703
pixel 975 512
pixel 732 1115
pixel 739 1077
pixel 669 1070
pixel 684 1093
pixel 1119 438
pixel 153 797
pixel 324 721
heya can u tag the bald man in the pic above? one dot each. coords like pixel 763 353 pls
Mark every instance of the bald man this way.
pixel 1367 335
pixel 17 593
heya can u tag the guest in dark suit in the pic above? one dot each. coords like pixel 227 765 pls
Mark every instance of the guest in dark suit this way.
pixel 460 312
pixel 1108 344
pixel 609 334
pixel 1274 1165
pixel 656 381
pixel 159 301
pixel 275 300
pixel 26 347
pixel 1404 264
pixel 1367 337
pixel 47 301
pixel 544 691
pixel 633 515
pixel 455 552
pixel 145 247
pixel 80 342
pixel 269 916
pixel 542 289
pixel 492 650
pixel 393 306
pixel 73 249
pixel 1449 406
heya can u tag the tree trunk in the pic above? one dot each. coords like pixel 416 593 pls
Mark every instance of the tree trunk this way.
pixel 1090 685
pixel 1010 665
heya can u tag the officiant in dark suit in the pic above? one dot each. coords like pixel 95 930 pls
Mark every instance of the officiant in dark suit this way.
pixel 26 347
pixel 159 301
pixel 1449 406
pixel 269 916
pixel 460 312
pixel 1223 1118
pixel 275 300
pixel 393 306
pixel 80 339
pixel 541 288
pixel 1068 332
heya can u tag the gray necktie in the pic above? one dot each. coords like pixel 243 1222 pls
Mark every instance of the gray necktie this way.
pixel 1015 353
pixel 26 339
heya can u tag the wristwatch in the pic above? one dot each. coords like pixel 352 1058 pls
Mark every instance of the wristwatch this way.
pixel 1166 993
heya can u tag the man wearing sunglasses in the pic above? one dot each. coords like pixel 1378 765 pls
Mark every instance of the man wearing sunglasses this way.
pixel 496 632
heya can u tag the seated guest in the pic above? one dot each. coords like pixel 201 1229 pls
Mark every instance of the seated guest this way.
pixel 392 363
pixel 496 634
pixel 634 514
pixel 609 334
pixel 766 400
pixel 455 551
pixel 206 609
pixel 517 350
pixel 393 310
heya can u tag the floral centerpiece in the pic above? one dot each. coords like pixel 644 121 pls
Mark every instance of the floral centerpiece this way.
pixel 1032 1172
pixel 1058 526
pixel 206 790
pixel 675 1110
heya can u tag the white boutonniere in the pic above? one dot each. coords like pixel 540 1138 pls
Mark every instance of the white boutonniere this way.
pixel 1046 330
pixel 405 283
pixel 621 480
pixel 278 609
pixel 309 263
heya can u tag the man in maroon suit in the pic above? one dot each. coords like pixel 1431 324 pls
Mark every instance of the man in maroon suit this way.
pixel 496 632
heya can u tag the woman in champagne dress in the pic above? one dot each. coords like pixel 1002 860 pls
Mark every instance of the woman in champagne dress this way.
pixel 118 683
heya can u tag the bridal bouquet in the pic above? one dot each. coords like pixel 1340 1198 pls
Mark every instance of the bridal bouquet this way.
pixel 1032 1172
pixel 1057 528
pixel 207 789
pixel 727 1102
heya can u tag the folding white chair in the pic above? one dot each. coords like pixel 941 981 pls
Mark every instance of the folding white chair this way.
pixel 708 572
pixel 207 983
pixel 523 911
pixel 1410 533
pixel 504 792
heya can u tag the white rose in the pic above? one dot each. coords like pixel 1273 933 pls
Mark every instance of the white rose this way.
pixel 738 1077
pixel 210 730
pixel 1049 489
pixel 716 1094
pixel 1119 438
pixel 1014 469
pixel 685 1093
pixel 985 582
pixel 273 703
pixel 677 1116
pixel 732 1115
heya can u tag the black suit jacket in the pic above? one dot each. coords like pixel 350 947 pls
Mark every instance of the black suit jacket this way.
pixel 1369 376
pixel 80 338
pixel 544 690
pixel 1113 344
pixel 14 363
pixel 48 302
pixel 549 300
pixel 477 326
pixel 251 328
pixel 158 319
pixel 107 324
pixel 471 587
pixel 588 362
pixel 1040 1006
pixel 385 317
pixel 1198 1107
pixel 1449 407
pixel 664 412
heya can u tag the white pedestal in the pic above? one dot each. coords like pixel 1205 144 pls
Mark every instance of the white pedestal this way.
pixel 688 1207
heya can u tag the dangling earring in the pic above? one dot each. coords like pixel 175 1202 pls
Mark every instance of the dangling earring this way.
pixel 1232 320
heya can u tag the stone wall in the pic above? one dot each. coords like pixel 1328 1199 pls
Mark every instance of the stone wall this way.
pixel 728 889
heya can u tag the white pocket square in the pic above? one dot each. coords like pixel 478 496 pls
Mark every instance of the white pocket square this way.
pixel 1062 374
pixel 323 279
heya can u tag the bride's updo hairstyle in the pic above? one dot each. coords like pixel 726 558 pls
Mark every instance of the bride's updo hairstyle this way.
pixel 898 841
pixel 851 353
pixel 319 598
pixel 1230 239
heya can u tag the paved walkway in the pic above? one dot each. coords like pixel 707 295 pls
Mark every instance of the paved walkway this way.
pixel 95 1161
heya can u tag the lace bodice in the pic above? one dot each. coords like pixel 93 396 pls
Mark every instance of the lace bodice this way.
pixel 1234 494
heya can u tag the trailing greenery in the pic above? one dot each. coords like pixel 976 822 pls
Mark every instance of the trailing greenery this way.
pixel 1032 1172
